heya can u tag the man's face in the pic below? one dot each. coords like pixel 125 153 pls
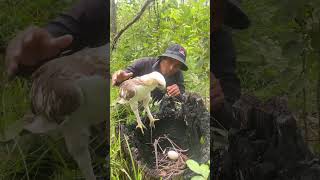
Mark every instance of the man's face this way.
pixel 169 66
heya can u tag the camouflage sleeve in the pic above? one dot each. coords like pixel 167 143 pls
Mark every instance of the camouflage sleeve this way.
pixel 88 22
pixel 223 65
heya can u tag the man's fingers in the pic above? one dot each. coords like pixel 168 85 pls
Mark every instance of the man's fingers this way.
pixel 170 90
pixel 119 76
pixel 173 90
pixel 129 74
pixel 61 42
pixel 114 79
pixel 34 36
pixel 176 92
pixel 28 39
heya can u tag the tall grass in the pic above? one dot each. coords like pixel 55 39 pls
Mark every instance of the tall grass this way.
pixel 29 156
pixel 150 36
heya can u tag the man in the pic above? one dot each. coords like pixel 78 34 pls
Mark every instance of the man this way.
pixel 86 24
pixel 225 85
pixel 168 64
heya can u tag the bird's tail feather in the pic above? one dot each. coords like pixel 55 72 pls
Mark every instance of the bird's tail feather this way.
pixel 30 122
pixel 40 124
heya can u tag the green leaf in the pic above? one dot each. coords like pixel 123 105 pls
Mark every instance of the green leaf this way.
pixel 198 178
pixel 194 166
pixel 202 141
pixel 205 170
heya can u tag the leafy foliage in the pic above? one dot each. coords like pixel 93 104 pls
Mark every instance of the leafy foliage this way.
pixel 279 53
pixel 163 23
pixel 203 169
pixel 29 156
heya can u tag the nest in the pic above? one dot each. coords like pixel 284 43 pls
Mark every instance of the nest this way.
pixel 267 146
pixel 182 124
pixel 165 166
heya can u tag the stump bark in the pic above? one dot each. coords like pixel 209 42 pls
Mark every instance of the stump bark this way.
pixel 267 146
pixel 184 120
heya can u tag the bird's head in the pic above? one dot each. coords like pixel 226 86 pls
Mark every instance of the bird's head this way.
pixel 159 79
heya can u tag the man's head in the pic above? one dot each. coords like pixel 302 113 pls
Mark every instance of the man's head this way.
pixel 228 12
pixel 169 66
pixel 218 14
pixel 173 60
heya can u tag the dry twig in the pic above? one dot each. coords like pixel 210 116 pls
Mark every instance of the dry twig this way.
pixel 164 165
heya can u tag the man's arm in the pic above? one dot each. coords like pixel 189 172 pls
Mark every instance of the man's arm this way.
pixel 86 24
pixel 87 21
pixel 138 67
pixel 223 65
pixel 135 69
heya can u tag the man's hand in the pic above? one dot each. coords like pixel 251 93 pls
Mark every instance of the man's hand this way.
pixel 173 90
pixel 33 46
pixel 119 76
pixel 216 94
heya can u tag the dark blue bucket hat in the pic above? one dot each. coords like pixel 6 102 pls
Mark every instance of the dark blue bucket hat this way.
pixel 234 16
pixel 177 52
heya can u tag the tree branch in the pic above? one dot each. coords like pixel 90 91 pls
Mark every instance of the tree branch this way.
pixel 136 18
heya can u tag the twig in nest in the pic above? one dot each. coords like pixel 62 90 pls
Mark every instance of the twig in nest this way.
pixel 166 167
pixel 155 145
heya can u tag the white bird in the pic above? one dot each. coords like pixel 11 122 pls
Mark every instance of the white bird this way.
pixel 139 89
pixel 69 94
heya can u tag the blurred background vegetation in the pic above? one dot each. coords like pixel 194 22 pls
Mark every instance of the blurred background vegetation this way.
pixel 279 56
pixel 164 22
pixel 30 156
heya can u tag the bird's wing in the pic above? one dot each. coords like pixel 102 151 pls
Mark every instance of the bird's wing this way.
pixel 129 88
pixel 94 102
pixel 54 98
pixel 54 93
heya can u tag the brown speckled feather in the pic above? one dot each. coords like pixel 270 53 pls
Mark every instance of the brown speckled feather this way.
pixel 53 91
pixel 128 88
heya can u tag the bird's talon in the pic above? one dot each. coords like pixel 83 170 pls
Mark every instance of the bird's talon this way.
pixel 152 122
pixel 141 126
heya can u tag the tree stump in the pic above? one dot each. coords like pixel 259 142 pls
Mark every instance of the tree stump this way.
pixel 185 121
pixel 267 146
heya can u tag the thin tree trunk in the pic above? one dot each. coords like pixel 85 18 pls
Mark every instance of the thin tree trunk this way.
pixel 318 102
pixel 113 13
pixel 135 19
pixel 304 94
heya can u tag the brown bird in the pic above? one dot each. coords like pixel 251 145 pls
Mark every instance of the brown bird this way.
pixel 69 94
pixel 139 89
